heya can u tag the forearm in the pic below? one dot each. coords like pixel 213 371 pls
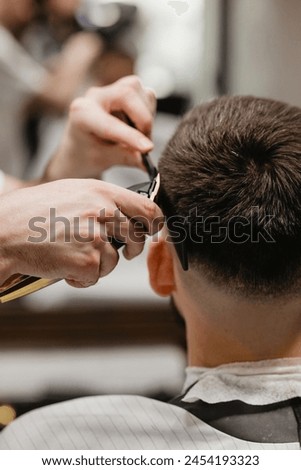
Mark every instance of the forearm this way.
pixel 8 184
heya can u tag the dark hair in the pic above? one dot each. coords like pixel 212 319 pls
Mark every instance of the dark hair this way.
pixel 233 168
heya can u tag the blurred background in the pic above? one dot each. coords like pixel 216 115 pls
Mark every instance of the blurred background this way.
pixel 118 336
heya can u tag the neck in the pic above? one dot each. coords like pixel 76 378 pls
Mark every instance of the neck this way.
pixel 212 343
pixel 222 329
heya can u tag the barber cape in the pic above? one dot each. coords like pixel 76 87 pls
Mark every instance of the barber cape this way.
pixel 241 406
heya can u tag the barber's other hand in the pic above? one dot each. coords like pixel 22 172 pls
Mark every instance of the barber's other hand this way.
pixel 72 242
pixel 96 138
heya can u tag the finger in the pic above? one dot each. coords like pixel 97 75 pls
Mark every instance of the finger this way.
pixel 132 205
pixel 134 248
pixel 137 108
pixel 87 276
pixel 78 284
pixel 108 260
pixel 119 227
pixel 115 130
pixel 139 208
pixel 130 251
pixel 152 100
pixel 129 232
pixel 128 96
pixel 94 120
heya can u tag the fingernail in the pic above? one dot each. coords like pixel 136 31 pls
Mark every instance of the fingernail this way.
pixel 145 144
pixel 126 254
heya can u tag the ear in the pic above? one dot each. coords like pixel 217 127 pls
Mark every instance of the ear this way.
pixel 160 267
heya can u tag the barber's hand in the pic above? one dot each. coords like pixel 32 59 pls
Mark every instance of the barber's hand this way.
pixel 96 138
pixel 70 241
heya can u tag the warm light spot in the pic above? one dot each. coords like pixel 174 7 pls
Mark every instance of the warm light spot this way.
pixel 7 414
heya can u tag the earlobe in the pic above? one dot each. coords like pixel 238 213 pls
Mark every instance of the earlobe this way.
pixel 160 267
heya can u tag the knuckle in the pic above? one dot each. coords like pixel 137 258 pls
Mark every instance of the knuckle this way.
pixel 148 122
pixel 106 131
pixel 151 99
pixel 91 186
pixel 110 213
pixel 77 105
pixel 149 209
pixel 90 262
pixel 126 95
pixel 132 82
pixel 151 95
pixel 99 243
pixel 93 91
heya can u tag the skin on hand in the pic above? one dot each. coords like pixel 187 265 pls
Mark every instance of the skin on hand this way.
pixel 96 139
pixel 74 245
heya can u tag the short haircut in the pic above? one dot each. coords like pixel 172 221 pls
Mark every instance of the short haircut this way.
pixel 233 167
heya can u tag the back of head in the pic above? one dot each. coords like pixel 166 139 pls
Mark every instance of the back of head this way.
pixel 233 170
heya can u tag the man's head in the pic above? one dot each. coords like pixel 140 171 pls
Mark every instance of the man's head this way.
pixel 233 169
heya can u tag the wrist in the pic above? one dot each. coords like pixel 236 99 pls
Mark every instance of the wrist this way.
pixel 7 264
pixel 55 170
pixel 62 165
